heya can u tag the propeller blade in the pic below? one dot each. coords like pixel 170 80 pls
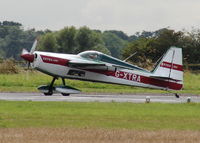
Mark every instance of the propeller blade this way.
pixel 34 46
pixel 29 56
pixel 24 51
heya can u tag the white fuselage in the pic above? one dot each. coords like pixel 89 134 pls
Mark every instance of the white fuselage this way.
pixel 56 65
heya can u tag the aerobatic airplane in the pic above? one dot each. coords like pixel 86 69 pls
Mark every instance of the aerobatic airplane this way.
pixel 98 67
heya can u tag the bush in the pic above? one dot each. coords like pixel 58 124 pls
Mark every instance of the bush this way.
pixel 8 67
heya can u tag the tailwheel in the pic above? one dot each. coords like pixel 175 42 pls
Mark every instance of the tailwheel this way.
pixel 176 94
pixel 65 94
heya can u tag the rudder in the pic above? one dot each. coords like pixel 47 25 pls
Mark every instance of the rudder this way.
pixel 170 67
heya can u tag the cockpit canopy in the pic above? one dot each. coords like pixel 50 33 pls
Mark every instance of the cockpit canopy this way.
pixel 100 57
pixel 91 55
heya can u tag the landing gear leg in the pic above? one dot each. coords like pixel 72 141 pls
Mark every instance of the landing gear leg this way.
pixel 50 92
pixel 63 81
pixel 176 94
pixel 64 94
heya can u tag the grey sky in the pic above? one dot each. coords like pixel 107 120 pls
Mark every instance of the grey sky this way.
pixel 129 16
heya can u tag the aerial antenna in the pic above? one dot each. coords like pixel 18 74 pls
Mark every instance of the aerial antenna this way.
pixel 129 56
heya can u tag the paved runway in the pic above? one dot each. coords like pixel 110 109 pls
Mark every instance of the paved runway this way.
pixel 138 98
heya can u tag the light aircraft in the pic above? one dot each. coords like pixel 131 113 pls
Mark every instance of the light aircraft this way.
pixel 98 67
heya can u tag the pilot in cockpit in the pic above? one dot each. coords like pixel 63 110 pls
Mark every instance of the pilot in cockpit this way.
pixel 93 56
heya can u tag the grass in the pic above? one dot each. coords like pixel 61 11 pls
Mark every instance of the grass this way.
pixel 27 121
pixel 96 122
pixel 154 116
pixel 28 81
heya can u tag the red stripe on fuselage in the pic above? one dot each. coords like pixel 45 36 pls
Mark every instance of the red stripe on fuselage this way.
pixel 141 79
pixel 161 83
pixel 54 60
pixel 171 66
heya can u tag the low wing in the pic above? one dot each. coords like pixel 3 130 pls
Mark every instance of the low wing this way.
pixel 122 67
pixel 90 65
pixel 84 63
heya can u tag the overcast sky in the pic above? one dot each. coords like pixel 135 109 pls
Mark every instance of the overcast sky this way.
pixel 129 16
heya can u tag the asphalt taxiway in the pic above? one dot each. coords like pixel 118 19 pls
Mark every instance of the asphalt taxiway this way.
pixel 137 98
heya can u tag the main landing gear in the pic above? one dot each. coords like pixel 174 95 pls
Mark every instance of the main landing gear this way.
pixel 64 94
pixel 49 90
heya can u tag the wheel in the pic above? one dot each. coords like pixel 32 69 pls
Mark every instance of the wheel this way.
pixel 65 94
pixel 176 94
pixel 48 93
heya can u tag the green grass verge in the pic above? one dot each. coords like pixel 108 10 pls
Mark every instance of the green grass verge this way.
pixel 29 81
pixel 153 116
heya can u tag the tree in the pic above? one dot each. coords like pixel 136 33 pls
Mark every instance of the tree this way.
pixel 143 52
pixel 191 46
pixel 147 34
pixel 48 43
pixel 13 38
pixel 11 23
pixel 101 48
pixel 83 39
pixel 164 39
pixel 88 39
pixel 132 38
pixel 114 44
pixel 151 48
pixel 66 40
pixel 12 42
pixel 120 34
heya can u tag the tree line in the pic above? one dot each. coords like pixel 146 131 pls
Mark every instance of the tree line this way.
pixel 148 45
pixel 13 38
pixel 73 41
pixel 151 45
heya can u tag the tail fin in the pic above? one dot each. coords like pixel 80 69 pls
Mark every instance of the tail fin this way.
pixel 171 68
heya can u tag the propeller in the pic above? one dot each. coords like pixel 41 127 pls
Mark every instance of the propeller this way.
pixel 34 46
pixel 29 56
